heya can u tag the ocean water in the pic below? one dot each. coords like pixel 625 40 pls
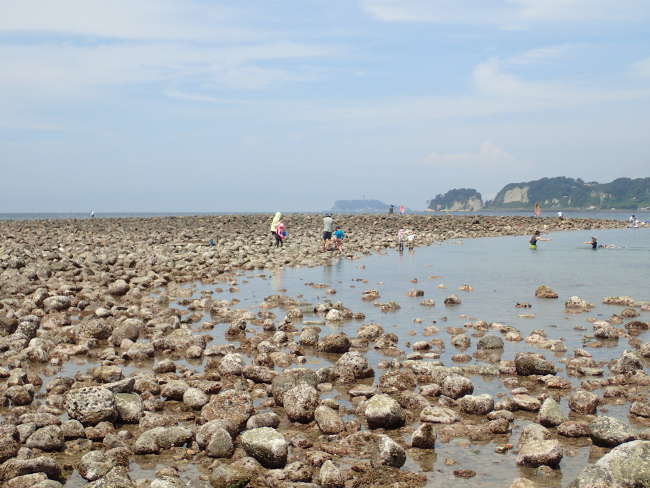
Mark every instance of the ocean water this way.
pixel 502 272
pixel 597 214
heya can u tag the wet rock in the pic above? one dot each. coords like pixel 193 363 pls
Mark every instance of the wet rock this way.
pixel 20 395
pixel 577 304
pixel 266 419
pixel 57 303
pixel 584 402
pixel 20 467
pixel 267 446
pixel 328 420
pixel 90 405
pixel 540 453
pixel 118 288
pixel 477 404
pixel 352 366
pixel 439 415
pixel 550 414
pixel 490 342
pixel 544 291
pixel 640 408
pixel 330 476
pixel 572 428
pixel 220 444
pixel 309 336
pixel 533 364
pixel 290 378
pixel 230 476
pixel 159 438
pixel 610 432
pixel 174 390
pixel 232 364
pixel 72 429
pixel 129 407
pixel 195 398
pixel 526 402
pixel 334 343
pixel 96 464
pixel 461 341
pixel 629 362
pixel 382 411
pixel 300 402
pixel 625 466
pixel 456 386
pixel 452 300
pixel 334 315
pixel 522 483
pixel 390 452
pixel 233 406
pixel 424 437
pixel 49 438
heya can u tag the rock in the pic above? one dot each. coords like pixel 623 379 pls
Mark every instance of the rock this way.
pixel 56 303
pixel 94 465
pixel 490 342
pixel 154 440
pixel 583 402
pixel 300 402
pixel 522 483
pixel 195 398
pixel 330 476
pixel 328 420
pixel 452 300
pixel 532 364
pixel 230 476
pixel 533 433
pixel 220 444
pixel 352 366
pixel 334 343
pixel 629 362
pixel 626 466
pixel 641 408
pixel 572 428
pixel 309 336
pixel 540 453
pixel 382 411
pixel 20 467
pixel 129 407
pixel 90 405
pixel 610 432
pixel 526 402
pixel 334 315
pixel 577 304
pixel 118 288
pixel 424 437
pixel 390 452
pixel 233 406
pixel 232 364
pixel 439 415
pixel 476 404
pixel 49 438
pixel 267 445
pixel 550 414
pixel 290 378
pixel 20 395
pixel 455 386
pixel 544 291
pixel 267 419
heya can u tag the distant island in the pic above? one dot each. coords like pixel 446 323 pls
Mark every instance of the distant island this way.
pixel 360 206
pixel 559 193
pixel 458 199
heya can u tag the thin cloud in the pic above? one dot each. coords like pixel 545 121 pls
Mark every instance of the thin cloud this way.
pixel 642 68
pixel 488 155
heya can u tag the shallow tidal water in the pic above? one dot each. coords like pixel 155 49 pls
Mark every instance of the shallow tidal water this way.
pixel 502 272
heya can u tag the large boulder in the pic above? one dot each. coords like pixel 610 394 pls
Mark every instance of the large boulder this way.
pixel 390 452
pixel 290 378
pixel 456 386
pixel 91 405
pixel 300 402
pixel 625 466
pixel 328 420
pixel 129 407
pixel 610 432
pixel 352 366
pixel 550 414
pixel 48 438
pixel 382 411
pixel 584 402
pixel 267 446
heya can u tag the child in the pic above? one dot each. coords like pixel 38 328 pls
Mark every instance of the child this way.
pixel 281 232
pixel 537 236
pixel 339 235
pixel 410 239
pixel 400 239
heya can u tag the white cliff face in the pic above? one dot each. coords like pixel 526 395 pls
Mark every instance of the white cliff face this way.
pixel 471 205
pixel 518 194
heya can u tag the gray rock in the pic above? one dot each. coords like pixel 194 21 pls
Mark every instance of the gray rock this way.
pixel 266 419
pixel 625 466
pixel 390 452
pixel 330 476
pixel 267 446
pixel 526 402
pixel 232 364
pixel 155 440
pixel 195 398
pixel 118 288
pixel 129 407
pixel 490 342
pixel 610 432
pixel 382 411
pixel 439 415
pixel 424 437
pixel 91 405
pixel 300 402
pixel 640 408
pixel 550 414
pixel 72 429
pixel 477 404
pixel 528 364
pixel 229 476
pixel 290 378
pixel 584 402
pixel 220 444
pixel 540 453
pixel 629 362
pixel 455 386
pixel 20 467
pixel 49 438
pixel 334 343
pixel 57 303
pixel 353 366
pixel 533 433
pixel 328 420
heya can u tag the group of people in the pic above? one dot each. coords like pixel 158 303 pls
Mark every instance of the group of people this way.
pixel 405 235
pixel 332 235
pixel 537 237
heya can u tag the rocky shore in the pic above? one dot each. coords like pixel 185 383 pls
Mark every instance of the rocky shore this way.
pixel 208 393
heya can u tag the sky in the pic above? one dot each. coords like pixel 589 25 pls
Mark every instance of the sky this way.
pixel 265 105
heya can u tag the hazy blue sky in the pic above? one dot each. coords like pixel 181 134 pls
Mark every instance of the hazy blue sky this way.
pixel 205 105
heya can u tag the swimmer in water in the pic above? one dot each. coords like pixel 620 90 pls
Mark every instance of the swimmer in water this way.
pixel 537 236
pixel 593 242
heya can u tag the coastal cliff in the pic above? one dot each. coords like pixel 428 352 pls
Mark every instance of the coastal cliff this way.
pixel 566 193
pixel 458 199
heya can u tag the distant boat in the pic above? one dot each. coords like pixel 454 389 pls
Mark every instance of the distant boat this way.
pixel 538 209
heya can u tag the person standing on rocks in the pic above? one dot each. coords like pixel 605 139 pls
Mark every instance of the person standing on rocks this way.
pixel 274 227
pixel 281 233
pixel 339 235
pixel 328 227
